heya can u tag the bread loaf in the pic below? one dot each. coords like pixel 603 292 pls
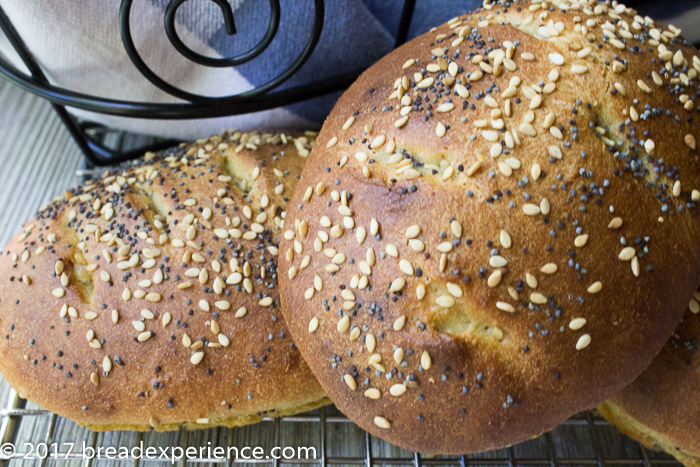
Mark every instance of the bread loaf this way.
pixel 148 298
pixel 661 408
pixel 497 227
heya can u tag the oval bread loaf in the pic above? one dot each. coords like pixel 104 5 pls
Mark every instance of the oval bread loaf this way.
pixel 148 298
pixel 661 408
pixel 497 227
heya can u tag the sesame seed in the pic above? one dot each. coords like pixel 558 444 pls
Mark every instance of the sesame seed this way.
pixel 556 58
pixel 527 129
pixel 677 188
pixel 538 298
pixel 343 324
pixel 444 247
pixel 313 325
pixel 399 323
pixel 489 135
pixel 445 301
pixel 382 422
pixel 690 141
pixel 581 240
pixel 616 223
pixel 440 130
pixel 531 280
pixel 348 123
pixel 504 306
pixel 350 381
pixel 370 342
pixel 406 267
pixel 505 239
pixel 496 150
pixel 107 364
pixel 397 284
pixel 678 58
pixel 495 278
pixel 585 52
pixel 577 323
pixel 196 358
pixel 536 171
pixel 462 91
pixel 420 291
pixel 531 209
pixel 643 86
pixel 583 342
pixel 454 289
pixel 456 229
pixel 425 360
pixel 401 121
pixel 649 146
pixel 378 142
pixel 634 264
pixel 474 168
pixel 627 253
pixel 425 83
pixel 144 336
pixel 476 76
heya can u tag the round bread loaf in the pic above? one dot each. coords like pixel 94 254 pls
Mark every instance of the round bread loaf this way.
pixel 497 227
pixel 661 408
pixel 148 298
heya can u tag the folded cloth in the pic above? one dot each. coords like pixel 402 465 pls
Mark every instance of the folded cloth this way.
pixel 77 43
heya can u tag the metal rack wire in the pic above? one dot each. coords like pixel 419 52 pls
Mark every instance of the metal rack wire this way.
pixel 584 440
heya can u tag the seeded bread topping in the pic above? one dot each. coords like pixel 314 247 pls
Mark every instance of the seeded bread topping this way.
pixel 148 298
pixel 497 227
pixel 661 408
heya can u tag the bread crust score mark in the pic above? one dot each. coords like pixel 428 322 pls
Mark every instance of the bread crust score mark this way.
pixel 498 227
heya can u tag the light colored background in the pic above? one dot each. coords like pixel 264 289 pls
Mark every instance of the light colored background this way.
pixel 38 158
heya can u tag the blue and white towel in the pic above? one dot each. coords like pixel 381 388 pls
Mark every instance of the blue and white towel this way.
pixel 77 42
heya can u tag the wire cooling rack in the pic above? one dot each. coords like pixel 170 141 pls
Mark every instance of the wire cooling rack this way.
pixel 584 440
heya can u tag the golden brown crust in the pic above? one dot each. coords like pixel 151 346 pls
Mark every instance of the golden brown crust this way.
pixel 652 439
pixel 98 324
pixel 495 200
pixel 661 408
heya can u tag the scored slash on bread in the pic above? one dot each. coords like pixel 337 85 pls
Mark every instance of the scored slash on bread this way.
pixel 148 298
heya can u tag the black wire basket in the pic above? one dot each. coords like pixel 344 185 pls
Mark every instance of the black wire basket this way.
pixel 262 97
